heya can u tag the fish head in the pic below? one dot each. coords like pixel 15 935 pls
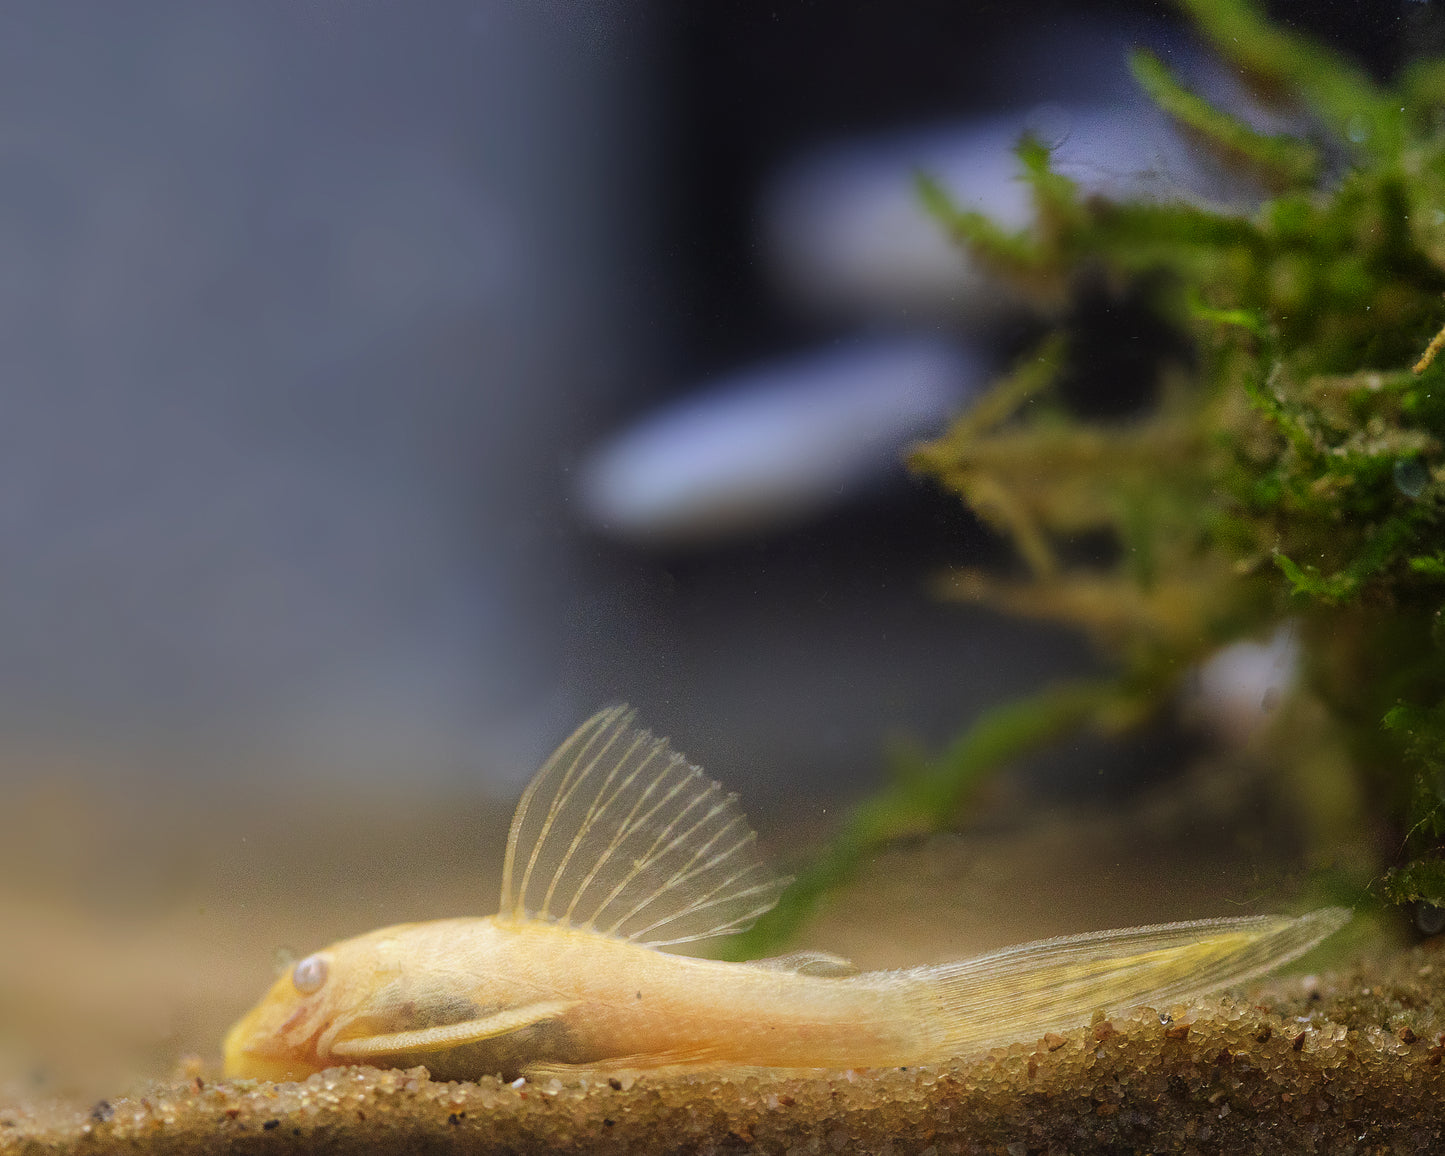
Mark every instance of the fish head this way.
pixel 289 1033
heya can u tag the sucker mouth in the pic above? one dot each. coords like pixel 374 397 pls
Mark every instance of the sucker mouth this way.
pixel 321 1048
pixel 273 1055
pixel 262 1050
pixel 288 1031
pixel 244 1056
pixel 307 1031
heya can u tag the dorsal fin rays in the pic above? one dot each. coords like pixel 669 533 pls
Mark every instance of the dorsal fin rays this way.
pixel 618 834
pixel 631 817
pixel 685 872
pixel 567 756
pixel 722 890
pixel 594 813
pixel 765 894
pixel 651 816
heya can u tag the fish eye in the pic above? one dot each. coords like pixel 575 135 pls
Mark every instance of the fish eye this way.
pixel 309 974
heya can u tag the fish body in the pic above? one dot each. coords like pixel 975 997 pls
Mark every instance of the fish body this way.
pixel 537 996
pixel 619 847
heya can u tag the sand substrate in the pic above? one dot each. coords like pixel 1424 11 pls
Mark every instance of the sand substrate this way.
pixel 1351 1063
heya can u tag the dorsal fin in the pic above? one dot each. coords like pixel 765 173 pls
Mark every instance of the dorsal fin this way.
pixel 621 835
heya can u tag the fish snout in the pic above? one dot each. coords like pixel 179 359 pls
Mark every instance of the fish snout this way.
pixel 258 1048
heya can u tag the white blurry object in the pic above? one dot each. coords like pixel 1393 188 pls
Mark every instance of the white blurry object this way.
pixel 846 231
pixel 1240 684
pixel 771 444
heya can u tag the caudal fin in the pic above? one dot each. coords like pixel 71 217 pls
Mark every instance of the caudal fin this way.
pixel 1023 992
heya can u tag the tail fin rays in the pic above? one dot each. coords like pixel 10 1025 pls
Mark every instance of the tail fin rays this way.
pixel 1023 992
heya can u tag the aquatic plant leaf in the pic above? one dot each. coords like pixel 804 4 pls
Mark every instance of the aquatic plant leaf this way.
pixel 1275 58
pixel 620 834
pixel 1017 256
pixel 1284 161
pixel 1422 881
pixel 928 797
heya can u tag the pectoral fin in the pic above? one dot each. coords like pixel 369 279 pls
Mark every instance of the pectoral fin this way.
pixel 652 1064
pixel 425 1040
pixel 661 1065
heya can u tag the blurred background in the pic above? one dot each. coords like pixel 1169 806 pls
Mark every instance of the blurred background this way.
pixel 384 387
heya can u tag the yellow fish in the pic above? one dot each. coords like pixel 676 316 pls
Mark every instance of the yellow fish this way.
pixel 620 847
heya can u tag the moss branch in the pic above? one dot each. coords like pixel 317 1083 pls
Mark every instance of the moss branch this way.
pixel 1017 257
pixel 1296 466
pixel 927 798
pixel 1283 161
pixel 1284 63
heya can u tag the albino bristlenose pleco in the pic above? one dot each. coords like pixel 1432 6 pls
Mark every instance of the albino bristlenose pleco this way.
pixel 620 848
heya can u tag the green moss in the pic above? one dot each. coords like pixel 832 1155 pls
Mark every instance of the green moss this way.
pixel 1282 160
pixel 1292 469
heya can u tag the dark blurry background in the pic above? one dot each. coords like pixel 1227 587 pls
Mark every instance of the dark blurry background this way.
pixel 310 310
